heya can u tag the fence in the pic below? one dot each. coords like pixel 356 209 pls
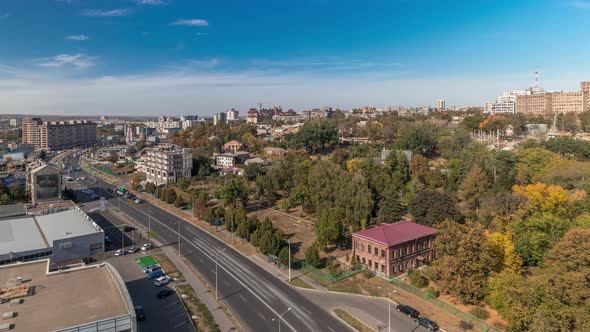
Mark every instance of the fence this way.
pixel 325 278
pixel 477 323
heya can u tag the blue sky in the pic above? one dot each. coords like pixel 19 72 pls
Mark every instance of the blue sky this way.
pixel 201 57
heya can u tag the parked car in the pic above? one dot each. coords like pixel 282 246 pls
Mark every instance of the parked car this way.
pixel 427 323
pixel 146 246
pixel 132 250
pixel 128 229
pixel 139 313
pixel 161 281
pixel 411 312
pixel 138 201
pixel 156 274
pixel 165 293
pixel 151 268
pixel 119 252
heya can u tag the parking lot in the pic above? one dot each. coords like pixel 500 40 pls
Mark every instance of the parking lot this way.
pixel 165 314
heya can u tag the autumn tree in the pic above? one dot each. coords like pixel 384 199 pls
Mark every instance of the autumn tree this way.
pixel 466 260
pixel 473 187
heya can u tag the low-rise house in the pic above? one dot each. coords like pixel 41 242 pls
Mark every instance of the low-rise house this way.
pixel 233 170
pixel 393 249
pixel 232 146
pixel 256 160
pixel 231 159
pixel 275 152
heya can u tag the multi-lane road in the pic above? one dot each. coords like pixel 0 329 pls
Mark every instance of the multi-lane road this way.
pixel 252 294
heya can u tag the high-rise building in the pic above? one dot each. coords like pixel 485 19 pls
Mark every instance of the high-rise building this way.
pixel 441 104
pixel 233 115
pixel 13 122
pixel 30 128
pixel 166 163
pixel 219 118
pixel 487 106
pixel 59 135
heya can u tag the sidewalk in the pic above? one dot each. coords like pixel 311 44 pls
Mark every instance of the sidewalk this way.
pixel 202 291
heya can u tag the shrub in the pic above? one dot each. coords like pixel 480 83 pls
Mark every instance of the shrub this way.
pixel 432 292
pixel 480 313
pixel 417 279
pixel 463 325
pixel 312 255
pixel 367 273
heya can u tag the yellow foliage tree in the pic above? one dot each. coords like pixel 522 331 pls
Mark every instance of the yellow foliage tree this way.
pixel 548 198
pixel 505 249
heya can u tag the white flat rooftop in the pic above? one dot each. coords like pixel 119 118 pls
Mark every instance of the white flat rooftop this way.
pixel 20 234
pixel 65 224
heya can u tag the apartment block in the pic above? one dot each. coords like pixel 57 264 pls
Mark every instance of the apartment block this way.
pixel 30 130
pixel 166 163
pixel 60 135
pixel 555 102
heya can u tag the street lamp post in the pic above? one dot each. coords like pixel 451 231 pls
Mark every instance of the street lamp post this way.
pixel 178 239
pixel 216 265
pixel 289 243
pixel 389 311
pixel 281 317
pixel 149 222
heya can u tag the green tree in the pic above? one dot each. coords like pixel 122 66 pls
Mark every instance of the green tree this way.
pixel 170 195
pixel 179 202
pixel 183 183
pixel 150 187
pixel 284 256
pixel 390 208
pixel 312 255
pixel 473 187
pixel 432 207
pixel 42 154
pixel 535 235
pixel 328 226
pixel 315 137
pixel 234 189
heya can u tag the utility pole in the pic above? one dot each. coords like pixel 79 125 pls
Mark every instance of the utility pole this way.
pixel 178 239
pixel 289 242
pixel 149 223
pixel 281 317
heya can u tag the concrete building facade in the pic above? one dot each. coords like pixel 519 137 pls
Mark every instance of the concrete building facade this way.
pixel 60 135
pixel 166 163
pixel 30 130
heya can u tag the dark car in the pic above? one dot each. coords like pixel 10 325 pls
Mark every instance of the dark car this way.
pixel 139 313
pixel 128 229
pixel 411 312
pixel 427 323
pixel 165 293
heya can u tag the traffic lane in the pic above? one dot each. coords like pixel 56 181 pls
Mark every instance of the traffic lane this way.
pixel 113 229
pixel 166 314
pixel 305 316
pixel 275 294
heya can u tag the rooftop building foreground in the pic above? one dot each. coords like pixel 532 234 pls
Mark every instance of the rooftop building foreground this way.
pixel 90 298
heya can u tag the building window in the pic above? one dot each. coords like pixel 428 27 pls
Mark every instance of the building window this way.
pixel 382 253
pixel 376 266
pixel 376 251
pixel 382 268
pixel 356 245
pixel 370 263
pixel 358 258
pixel 369 248
pixel 363 247
pixel 363 260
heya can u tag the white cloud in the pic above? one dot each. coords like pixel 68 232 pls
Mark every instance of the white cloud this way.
pixel 582 4
pixel 191 22
pixel 105 13
pixel 75 60
pixel 80 37
pixel 151 2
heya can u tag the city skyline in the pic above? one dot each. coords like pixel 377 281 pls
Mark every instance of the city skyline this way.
pixel 151 57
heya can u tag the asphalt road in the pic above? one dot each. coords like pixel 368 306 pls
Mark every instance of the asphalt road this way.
pixel 252 294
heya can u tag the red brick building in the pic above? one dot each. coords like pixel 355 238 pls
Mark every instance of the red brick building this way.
pixel 392 249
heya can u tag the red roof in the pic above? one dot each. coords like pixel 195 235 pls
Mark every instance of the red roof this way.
pixel 396 233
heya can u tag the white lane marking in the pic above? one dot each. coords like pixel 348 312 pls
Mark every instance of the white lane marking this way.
pixel 329 328
pixel 259 314
pixel 202 261
pixel 243 299
pixel 212 271
pixel 227 283
pixel 212 258
pixel 304 308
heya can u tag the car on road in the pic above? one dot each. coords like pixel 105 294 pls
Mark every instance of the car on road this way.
pixel 132 250
pixel 128 229
pixel 411 312
pixel 156 274
pixel 138 201
pixel 146 246
pixel 139 313
pixel 161 281
pixel 165 293
pixel 119 252
pixel 151 268
pixel 427 323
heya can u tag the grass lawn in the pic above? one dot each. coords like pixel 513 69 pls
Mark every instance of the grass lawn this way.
pixel 205 320
pixel 352 321
pixel 146 260
pixel 300 283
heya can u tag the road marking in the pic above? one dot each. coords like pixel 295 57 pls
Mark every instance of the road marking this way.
pixel 202 261
pixel 183 322
pixel 213 271
pixel 206 254
pixel 329 328
pixel 227 283
pixel 259 314
pixel 304 308
pixel 243 299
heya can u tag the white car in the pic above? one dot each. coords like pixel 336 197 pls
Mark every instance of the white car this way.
pixel 161 281
pixel 132 250
pixel 119 252
pixel 146 246
pixel 137 200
